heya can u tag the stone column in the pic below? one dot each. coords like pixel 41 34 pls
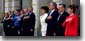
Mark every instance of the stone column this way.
pixel 6 5
pixel 35 5
pixel 13 5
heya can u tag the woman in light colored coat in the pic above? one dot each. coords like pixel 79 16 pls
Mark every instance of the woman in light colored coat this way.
pixel 44 14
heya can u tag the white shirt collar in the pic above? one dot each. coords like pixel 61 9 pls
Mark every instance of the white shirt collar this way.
pixel 30 12
pixel 26 13
pixel 53 10
pixel 62 12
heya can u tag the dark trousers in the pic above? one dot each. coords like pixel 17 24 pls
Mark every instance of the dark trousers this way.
pixel 26 32
pixel 51 30
pixel 60 31
pixel 14 31
pixel 51 33
pixel 7 29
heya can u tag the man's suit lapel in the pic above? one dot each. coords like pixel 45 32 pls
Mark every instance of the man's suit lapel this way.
pixel 49 13
pixel 61 15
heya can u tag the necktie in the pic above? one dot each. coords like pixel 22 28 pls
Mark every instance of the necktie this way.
pixel 49 13
pixel 59 17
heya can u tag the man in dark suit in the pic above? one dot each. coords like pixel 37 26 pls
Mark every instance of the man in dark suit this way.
pixel 7 24
pixel 31 21
pixel 25 23
pixel 51 20
pixel 61 18
pixel 28 21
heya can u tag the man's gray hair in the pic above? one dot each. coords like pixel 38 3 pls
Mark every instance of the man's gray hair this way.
pixel 54 4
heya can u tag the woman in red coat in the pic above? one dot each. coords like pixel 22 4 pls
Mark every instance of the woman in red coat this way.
pixel 71 22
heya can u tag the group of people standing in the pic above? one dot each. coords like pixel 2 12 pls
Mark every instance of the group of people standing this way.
pixel 58 21
pixel 19 22
pixel 55 21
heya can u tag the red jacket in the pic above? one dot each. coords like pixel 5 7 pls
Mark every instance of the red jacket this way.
pixel 71 24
